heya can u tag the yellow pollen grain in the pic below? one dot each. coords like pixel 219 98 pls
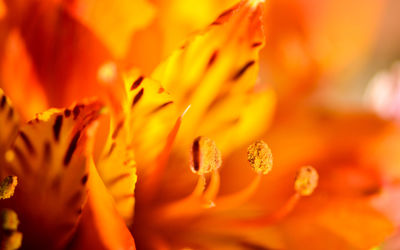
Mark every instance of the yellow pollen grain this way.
pixel 7 187
pixel 306 181
pixel 206 157
pixel 9 220
pixel 260 158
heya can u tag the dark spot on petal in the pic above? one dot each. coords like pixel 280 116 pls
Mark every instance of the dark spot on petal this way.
pixel 254 45
pixel 84 179
pixel 137 97
pixel 212 59
pixel 67 113
pixel 161 107
pixel 117 129
pixel 77 110
pixel 137 82
pixel 243 70
pixel 112 147
pixel 27 142
pixel 3 101
pixel 57 127
pixel 71 148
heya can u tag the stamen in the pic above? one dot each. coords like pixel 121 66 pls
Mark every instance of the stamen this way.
pixel 306 181
pixel 206 157
pixel 7 187
pixel 259 156
pixel 212 190
pixel 12 241
pixel 11 238
pixel 9 220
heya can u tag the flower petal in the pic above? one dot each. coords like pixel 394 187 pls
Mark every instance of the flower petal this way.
pixel 9 123
pixel 49 159
pixel 218 67
pixel 101 226
pixel 150 116
pixel 18 72
pixel 114 22
pixel 117 169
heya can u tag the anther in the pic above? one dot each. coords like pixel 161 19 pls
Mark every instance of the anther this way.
pixel 206 157
pixel 9 220
pixel 260 157
pixel 7 187
pixel 306 181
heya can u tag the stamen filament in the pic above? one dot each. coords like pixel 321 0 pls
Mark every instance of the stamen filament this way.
pixel 239 197
pixel 213 188
pixel 275 216
pixel 190 205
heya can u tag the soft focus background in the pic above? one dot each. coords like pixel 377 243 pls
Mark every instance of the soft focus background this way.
pixel 331 63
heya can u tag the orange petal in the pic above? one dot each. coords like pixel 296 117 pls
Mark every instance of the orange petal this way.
pixel 18 73
pixel 216 70
pixel 113 22
pixel 117 168
pixel 49 158
pixel 9 123
pixel 101 226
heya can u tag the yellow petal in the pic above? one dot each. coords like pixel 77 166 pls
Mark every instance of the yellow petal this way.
pixel 136 138
pixel 113 21
pixel 218 68
pixel 50 162
pixel 150 114
pixel 117 169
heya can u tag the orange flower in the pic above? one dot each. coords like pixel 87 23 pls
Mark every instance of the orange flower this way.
pixel 170 158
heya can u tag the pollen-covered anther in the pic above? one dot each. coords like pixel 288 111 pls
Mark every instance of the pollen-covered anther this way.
pixel 12 241
pixel 206 157
pixel 260 158
pixel 7 187
pixel 9 220
pixel 10 237
pixel 306 181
